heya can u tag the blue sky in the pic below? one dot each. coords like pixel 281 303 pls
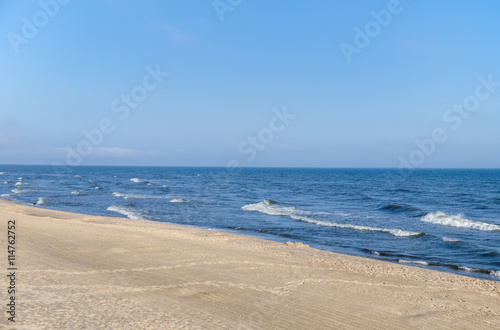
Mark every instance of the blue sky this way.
pixel 227 78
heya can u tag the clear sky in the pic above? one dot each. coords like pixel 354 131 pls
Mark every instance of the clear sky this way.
pixel 251 82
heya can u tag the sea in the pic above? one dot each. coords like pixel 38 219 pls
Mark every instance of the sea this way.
pixel 441 219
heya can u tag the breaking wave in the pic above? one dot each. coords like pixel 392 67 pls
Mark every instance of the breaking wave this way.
pixel 416 262
pixel 404 259
pixel 137 180
pixel 475 270
pixel 126 211
pixel 271 207
pixel 439 218
pixel 124 196
pixel 179 200
pixel 135 196
pixel 41 200
pixel 451 240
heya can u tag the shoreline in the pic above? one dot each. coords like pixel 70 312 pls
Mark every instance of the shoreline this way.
pixel 478 273
pixel 80 270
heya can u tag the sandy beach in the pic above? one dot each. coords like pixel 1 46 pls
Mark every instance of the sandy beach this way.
pixel 88 272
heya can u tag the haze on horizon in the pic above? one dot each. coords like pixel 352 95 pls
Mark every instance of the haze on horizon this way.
pixel 251 83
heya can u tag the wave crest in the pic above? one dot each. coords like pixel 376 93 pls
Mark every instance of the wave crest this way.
pixel 451 240
pixel 17 191
pixel 134 196
pixel 268 208
pixel 271 207
pixel 397 208
pixel 124 196
pixel 413 262
pixel 440 218
pixel 126 211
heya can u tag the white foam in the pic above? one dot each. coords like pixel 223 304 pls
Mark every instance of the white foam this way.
pixel 18 184
pixel 467 269
pixel 125 196
pixel 19 178
pixel 78 176
pixel 179 200
pixel 402 261
pixel 126 211
pixel 137 180
pixel 77 192
pixel 97 188
pixel 495 273
pixel 2 173
pixel 271 208
pixel 5 195
pixel 448 239
pixel 6 182
pixel 395 232
pixel 41 201
pixel 17 191
pixel 132 196
pixel 439 218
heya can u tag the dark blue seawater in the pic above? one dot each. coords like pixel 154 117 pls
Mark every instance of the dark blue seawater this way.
pixel 447 220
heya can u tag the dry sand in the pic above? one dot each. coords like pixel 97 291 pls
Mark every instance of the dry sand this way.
pixel 88 272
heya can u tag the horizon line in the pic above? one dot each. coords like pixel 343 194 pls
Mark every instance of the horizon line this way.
pixel 269 167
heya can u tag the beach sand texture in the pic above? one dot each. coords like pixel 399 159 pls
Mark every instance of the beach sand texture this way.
pixel 91 272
